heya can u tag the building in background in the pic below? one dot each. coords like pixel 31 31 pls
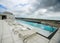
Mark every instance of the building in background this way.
pixel 7 15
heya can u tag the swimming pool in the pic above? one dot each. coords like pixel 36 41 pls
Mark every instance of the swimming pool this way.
pixel 45 30
pixel 42 26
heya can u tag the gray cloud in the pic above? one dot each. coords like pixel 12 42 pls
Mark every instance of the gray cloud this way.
pixel 35 8
pixel 46 4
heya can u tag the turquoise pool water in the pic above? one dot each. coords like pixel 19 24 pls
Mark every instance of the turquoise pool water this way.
pixel 40 26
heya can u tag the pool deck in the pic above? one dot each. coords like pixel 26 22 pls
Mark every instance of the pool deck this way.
pixel 7 36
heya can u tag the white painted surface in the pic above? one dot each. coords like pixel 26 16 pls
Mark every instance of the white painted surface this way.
pixel 7 36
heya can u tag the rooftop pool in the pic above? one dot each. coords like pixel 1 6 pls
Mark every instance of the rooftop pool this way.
pixel 45 30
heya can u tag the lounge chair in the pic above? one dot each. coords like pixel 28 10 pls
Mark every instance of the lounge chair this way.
pixel 11 23
pixel 24 34
pixel 17 28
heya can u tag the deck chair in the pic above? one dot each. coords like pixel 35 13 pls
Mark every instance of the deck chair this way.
pixel 12 23
pixel 24 34
pixel 18 28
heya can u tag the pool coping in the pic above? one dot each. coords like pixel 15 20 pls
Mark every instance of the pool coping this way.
pixel 50 36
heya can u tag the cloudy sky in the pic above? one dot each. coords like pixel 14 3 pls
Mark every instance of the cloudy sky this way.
pixel 46 9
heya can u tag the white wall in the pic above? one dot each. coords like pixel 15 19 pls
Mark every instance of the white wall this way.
pixel 9 16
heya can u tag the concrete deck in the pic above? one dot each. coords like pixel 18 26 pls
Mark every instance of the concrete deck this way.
pixel 7 36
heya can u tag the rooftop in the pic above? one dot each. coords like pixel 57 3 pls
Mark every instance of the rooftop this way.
pixel 7 35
